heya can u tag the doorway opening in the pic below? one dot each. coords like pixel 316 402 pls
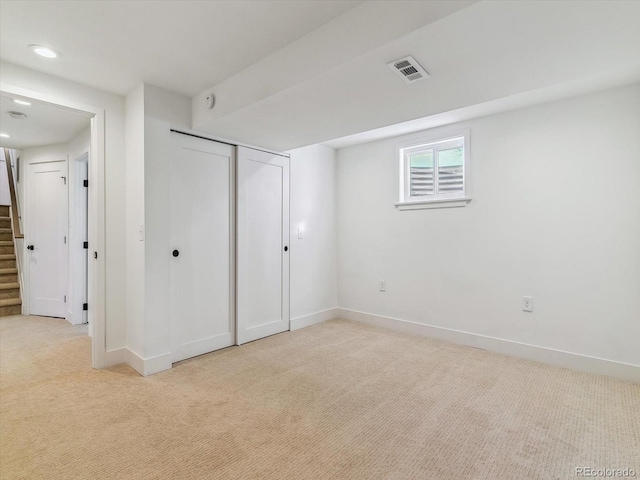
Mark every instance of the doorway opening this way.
pixel 59 152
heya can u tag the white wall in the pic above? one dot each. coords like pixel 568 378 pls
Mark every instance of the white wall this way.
pixel 162 110
pixel 115 252
pixel 555 215
pixel 313 260
pixel 135 280
pixel 5 196
pixel 150 113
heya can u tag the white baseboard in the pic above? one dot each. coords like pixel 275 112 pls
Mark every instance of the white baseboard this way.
pixel 313 318
pixel 148 366
pixel 115 357
pixel 549 356
pixel 73 319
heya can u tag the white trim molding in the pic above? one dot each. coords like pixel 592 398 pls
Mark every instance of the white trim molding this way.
pixel 549 356
pixel 115 357
pixel 313 318
pixel 148 366
pixel 443 203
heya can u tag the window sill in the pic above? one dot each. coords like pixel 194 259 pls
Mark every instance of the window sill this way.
pixel 441 203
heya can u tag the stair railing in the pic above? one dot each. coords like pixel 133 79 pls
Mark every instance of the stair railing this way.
pixel 15 217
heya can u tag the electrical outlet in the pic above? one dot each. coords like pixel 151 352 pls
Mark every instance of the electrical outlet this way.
pixel 382 285
pixel 527 304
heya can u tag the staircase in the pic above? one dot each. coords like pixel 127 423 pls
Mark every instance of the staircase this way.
pixel 10 302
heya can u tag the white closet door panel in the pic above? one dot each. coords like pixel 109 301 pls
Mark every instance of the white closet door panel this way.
pixel 263 229
pixel 201 233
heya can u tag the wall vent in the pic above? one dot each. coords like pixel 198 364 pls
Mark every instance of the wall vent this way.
pixel 408 69
pixel 17 115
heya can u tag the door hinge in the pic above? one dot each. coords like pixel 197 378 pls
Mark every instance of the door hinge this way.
pixel 85 183
pixel 65 299
pixel 95 255
pixel 85 306
pixel 65 240
pixel 85 244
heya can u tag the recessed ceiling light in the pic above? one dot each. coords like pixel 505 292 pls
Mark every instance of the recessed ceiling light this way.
pixel 4 135
pixel 43 51
pixel 21 102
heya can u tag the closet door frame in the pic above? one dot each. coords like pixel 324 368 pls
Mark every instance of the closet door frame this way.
pixel 233 245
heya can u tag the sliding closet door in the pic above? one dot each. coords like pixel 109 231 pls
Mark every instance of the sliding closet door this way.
pixel 263 244
pixel 202 297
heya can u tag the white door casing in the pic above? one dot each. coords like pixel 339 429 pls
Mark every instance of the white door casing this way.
pixel 202 273
pixel 47 234
pixel 263 243
pixel 101 355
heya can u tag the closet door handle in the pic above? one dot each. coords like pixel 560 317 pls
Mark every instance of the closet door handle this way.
pixel 286 249
pixel 175 253
pixel 29 247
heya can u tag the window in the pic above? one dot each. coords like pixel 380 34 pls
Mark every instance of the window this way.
pixel 435 172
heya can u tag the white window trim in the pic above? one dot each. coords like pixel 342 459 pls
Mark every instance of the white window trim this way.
pixel 437 200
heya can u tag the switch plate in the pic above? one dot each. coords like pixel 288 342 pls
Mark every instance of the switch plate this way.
pixel 527 304
pixel 382 285
pixel 141 233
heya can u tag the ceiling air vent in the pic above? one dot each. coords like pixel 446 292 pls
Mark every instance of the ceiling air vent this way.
pixel 408 69
pixel 17 115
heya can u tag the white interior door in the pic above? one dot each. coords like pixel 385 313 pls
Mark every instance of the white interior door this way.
pixel 47 239
pixel 263 244
pixel 82 236
pixel 202 240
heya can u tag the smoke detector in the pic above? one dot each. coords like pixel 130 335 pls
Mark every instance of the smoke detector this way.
pixel 17 115
pixel 408 69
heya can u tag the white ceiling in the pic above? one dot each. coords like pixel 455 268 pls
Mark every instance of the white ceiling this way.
pixel 292 73
pixel 44 125
pixel 182 46
pixel 478 54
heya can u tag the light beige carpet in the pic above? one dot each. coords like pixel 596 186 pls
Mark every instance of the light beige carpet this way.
pixel 338 400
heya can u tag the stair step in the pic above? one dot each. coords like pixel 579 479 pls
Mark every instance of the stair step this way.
pixel 9 286
pixel 5 302
pixel 8 271
pixel 7 256
pixel 10 310
pixel 5 230
pixel 15 293
pixel 6 243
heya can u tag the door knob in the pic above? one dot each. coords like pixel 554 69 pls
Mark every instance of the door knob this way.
pixel 29 247
pixel 176 253
pixel 286 249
